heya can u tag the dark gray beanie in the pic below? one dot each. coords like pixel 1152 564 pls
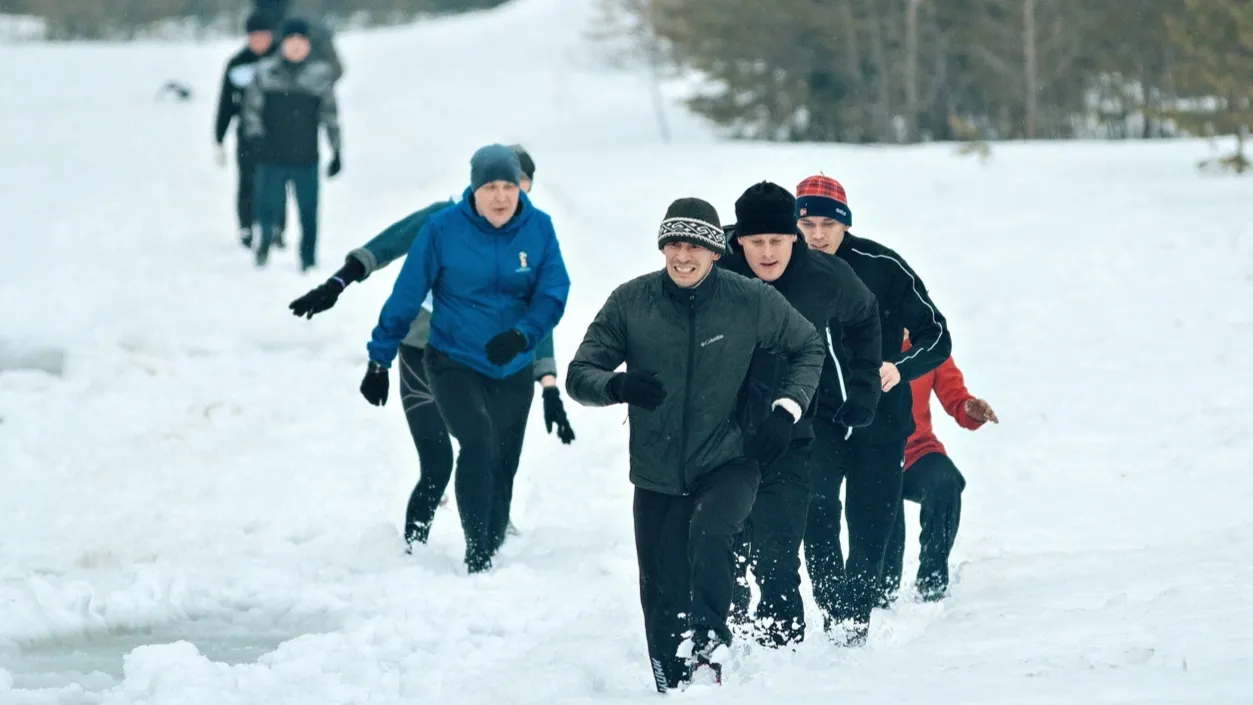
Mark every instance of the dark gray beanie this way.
pixel 495 162
pixel 695 221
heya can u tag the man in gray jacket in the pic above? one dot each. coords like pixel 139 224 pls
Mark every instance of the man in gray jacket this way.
pixel 289 100
pixel 687 335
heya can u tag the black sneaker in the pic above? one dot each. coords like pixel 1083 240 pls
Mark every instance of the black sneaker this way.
pixel 932 590
pixel 417 533
pixel 705 652
pixel 245 237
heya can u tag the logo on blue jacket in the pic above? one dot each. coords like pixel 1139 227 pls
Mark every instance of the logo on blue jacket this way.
pixel 522 263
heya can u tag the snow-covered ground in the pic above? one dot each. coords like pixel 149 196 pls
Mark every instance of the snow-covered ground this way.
pixel 197 507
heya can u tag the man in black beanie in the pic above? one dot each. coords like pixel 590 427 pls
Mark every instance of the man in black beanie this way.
pixel 687 335
pixel 826 291
pixel 240 70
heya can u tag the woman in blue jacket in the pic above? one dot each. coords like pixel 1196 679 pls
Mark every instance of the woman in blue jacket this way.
pixel 430 434
pixel 493 268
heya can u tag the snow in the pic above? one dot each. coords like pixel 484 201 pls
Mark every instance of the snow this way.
pixel 199 508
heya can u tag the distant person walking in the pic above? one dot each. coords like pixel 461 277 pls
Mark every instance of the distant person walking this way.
pixel 239 74
pixel 290 99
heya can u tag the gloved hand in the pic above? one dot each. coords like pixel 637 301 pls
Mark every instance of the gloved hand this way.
pixel 853 415
pixel 333 169
pixel 555 413
pixel 638 389
pixel 505 346
pixel 774 437
pixel 219 154
pixel 319 299
pixel 375 384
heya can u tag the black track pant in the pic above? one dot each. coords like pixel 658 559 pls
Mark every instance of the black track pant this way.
pixel 771 545
pixel 934 482
pixel 245 197
pixel 849 592
pixel 687 566
pixel 430 436
pixel 488 418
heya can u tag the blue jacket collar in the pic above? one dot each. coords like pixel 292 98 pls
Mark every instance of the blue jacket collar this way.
pixel 519 219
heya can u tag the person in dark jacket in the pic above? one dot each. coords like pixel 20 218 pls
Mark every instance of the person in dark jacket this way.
pixel 687 335
pixel 824 289
pixel 870 458
pixel 239 73
pixel 291 97
pixel 932 480
pixel 430 433
pixel 499 285
pixel 322 46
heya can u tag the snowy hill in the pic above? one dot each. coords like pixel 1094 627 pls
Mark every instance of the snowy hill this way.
pixel 204 469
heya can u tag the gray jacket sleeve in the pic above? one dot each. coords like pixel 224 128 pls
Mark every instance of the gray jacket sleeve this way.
pixel 254 103
pixel 330 114
pixel 782 330
pixel 603 349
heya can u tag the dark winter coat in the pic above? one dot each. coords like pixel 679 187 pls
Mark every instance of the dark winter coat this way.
pixel 698 342
pixel 239 73
pixel 284 108
pixel 826 291
pixel 903 304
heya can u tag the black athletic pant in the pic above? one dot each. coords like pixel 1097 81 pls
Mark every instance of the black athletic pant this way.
pixel 430 437
pixel 771 545
pixel 934 482
pixel 245 197
pixel 686 562
pixel 849 592
pixel 488 418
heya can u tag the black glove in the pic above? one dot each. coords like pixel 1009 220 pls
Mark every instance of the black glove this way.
pixel 555 413
pixel 774 437
pixel 324 297
pixel 333 169
pixel 852 415
pixel 318 299
pixel 638 389
pixel 505 346
pixel 375 384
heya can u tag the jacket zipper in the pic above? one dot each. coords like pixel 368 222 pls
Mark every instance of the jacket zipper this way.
pixel 839 373
pixel 687 390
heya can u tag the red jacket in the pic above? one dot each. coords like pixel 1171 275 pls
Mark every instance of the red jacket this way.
pixel 949 385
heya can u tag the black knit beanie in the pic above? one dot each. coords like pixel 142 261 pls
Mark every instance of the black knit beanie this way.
pixel 524 158
pixel 296 26
pixel 695 221
pixel 258 22
pixel 765 209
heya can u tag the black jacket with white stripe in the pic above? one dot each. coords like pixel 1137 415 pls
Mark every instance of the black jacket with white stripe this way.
pixel 828 293
pixel 903 304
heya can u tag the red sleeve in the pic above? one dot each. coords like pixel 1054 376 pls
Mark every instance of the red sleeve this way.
pixel 950 389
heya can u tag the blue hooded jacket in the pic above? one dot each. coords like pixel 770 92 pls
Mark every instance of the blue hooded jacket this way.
pixel 483 281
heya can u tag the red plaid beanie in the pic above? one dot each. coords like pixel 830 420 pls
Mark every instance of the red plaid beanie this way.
pixel 822 197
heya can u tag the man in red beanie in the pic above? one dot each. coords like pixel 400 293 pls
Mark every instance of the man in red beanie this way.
pixel 933 480
pixel 869 457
